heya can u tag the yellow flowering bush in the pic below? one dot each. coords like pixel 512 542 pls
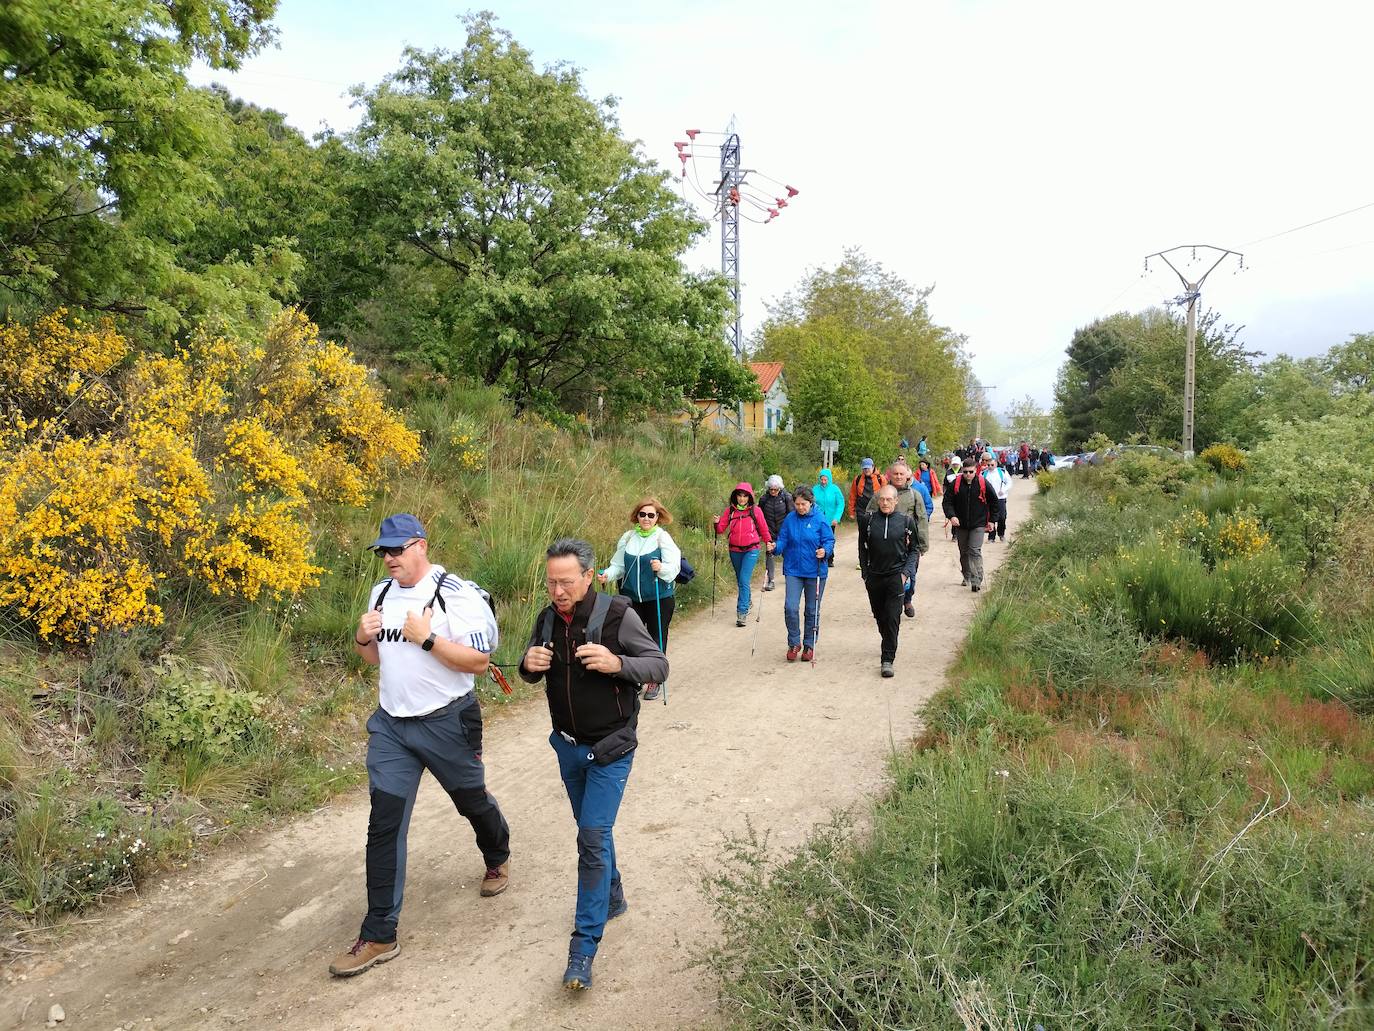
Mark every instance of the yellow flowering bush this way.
pixel 1241 536
pixel 1224 458
pixel 201 465
pixel 469 449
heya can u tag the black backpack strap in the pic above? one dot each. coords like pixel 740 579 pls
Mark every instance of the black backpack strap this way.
pixel 546 627
pixel 438 598
pixel 386 586
pixel 600 607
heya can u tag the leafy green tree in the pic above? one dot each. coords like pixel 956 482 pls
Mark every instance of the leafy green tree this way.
pixel 832 393
pixel 1323 466
pixel 1093 353
pixel 919 369
pixel 1143 398
pixel 1280 391
pixel 1351 365
pixel 1026 420
pixel 543 252
pixel 101 146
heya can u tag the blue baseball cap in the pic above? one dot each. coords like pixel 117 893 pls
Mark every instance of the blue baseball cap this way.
pixel 867 463
pixel 397 529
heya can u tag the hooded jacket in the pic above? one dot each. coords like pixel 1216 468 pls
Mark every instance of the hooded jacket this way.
pixel 746 527
pixel 861 491
pixel 798 540
pixel 931 479
pixel 829 498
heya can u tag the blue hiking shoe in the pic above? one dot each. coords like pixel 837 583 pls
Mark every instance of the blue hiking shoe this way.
pixel 618 907
pixel 578 976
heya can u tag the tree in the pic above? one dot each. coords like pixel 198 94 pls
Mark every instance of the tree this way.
pixel 542 253
pixel 832 393
pixel 1093 353
pixel 1351 365
pixel 102 140
pixel 919 369
pixel 1281 391
pixel 1026 420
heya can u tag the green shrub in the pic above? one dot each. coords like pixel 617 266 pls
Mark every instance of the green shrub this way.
pixel 1045 480
pixel 188 711
pixel 1244 606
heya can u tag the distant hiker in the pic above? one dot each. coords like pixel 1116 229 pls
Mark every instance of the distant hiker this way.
pixel 914 500
pixel 745 528
pixel 430 633
pixel 829 501
pixel 1000 481
pixel 1023 454
pixel 888 555
pixel 922 448
pixel 775 503
pixel 926 475
pixel 968 505
pixel 863 488
pixel 591 651
pixel 906 444
pixel 646 563
pixel 807 546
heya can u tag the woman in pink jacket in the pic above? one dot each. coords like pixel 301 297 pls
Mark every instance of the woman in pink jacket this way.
pixel 745 528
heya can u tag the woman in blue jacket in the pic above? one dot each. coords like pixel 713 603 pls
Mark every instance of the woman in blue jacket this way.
pixel 828 499
pixel 806 544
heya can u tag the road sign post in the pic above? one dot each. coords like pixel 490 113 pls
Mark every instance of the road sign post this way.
pixel 829 449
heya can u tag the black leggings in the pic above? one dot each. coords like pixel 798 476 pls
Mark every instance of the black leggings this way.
pixel 649 613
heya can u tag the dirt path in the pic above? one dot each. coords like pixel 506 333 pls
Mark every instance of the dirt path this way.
pixel 243 940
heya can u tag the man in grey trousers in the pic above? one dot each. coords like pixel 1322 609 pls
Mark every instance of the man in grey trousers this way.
pixel 431 634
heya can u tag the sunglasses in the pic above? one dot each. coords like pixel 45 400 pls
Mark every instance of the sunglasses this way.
pixel 647 514
pixel 394 551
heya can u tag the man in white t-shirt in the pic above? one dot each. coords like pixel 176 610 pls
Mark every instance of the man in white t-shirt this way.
pixel 431 634
pixel 1000 481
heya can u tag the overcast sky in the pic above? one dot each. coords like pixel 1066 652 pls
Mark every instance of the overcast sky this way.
pixel 1022 157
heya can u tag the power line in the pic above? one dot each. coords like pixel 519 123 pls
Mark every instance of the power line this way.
pixel 1309 225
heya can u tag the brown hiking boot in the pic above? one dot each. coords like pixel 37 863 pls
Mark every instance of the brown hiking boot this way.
pixel 496 880
pixel 364 955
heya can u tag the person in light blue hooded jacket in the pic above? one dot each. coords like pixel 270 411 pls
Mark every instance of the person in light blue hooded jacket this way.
pixel 829 502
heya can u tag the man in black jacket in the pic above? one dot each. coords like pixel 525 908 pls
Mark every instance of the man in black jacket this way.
pixel 592 652
pixel 968 502
pixel 888 554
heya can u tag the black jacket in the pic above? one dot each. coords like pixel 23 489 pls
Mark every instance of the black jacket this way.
pixel 961 500
pixel 887 544
pixel 586 704
pixel 775 509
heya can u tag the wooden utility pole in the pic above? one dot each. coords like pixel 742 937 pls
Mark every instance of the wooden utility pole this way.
pixel 1192 291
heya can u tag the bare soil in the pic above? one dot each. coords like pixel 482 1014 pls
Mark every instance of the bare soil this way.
pixel 244 937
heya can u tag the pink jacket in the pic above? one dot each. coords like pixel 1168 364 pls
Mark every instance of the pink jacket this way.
pixel 747 528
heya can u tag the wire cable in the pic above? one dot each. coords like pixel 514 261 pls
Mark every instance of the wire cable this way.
pixel 1309 225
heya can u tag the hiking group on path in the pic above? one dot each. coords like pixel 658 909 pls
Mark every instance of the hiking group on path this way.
pixel 431 634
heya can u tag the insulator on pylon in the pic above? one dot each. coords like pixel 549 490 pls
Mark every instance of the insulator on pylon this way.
pixel 792 191
pixel 692 133
pixel 679 146
pixel 773 212
pixel 781 203
pixel 684 158
pixel 734 196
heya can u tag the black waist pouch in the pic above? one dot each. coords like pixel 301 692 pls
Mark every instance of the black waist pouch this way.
pixel 615 745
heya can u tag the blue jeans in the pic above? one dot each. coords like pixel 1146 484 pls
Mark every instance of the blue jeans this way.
pixel 744 563
pixel 595 793
pixel 791 606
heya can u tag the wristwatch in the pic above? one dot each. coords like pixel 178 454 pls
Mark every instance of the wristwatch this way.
pixel 428 643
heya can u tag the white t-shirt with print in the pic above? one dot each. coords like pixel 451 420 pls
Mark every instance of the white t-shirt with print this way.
pixel 413 681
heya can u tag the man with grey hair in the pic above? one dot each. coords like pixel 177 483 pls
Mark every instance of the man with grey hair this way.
pixel 592 652
pixel 914 499
pixel 888 556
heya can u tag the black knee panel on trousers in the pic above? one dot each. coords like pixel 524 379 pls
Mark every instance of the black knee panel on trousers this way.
pixel 383 826
pixel 591 855
pixel 479 808
pixel 472 801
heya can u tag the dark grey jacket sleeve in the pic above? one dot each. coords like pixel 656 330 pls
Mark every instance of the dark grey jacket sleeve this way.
pixel 526 675
pixel 641 660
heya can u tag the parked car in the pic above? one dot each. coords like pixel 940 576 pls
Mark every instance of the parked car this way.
pixel 1065 462
pixel 1116 452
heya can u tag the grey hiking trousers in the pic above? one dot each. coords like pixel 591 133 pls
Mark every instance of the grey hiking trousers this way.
pixel 448 743
pixel 971 553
